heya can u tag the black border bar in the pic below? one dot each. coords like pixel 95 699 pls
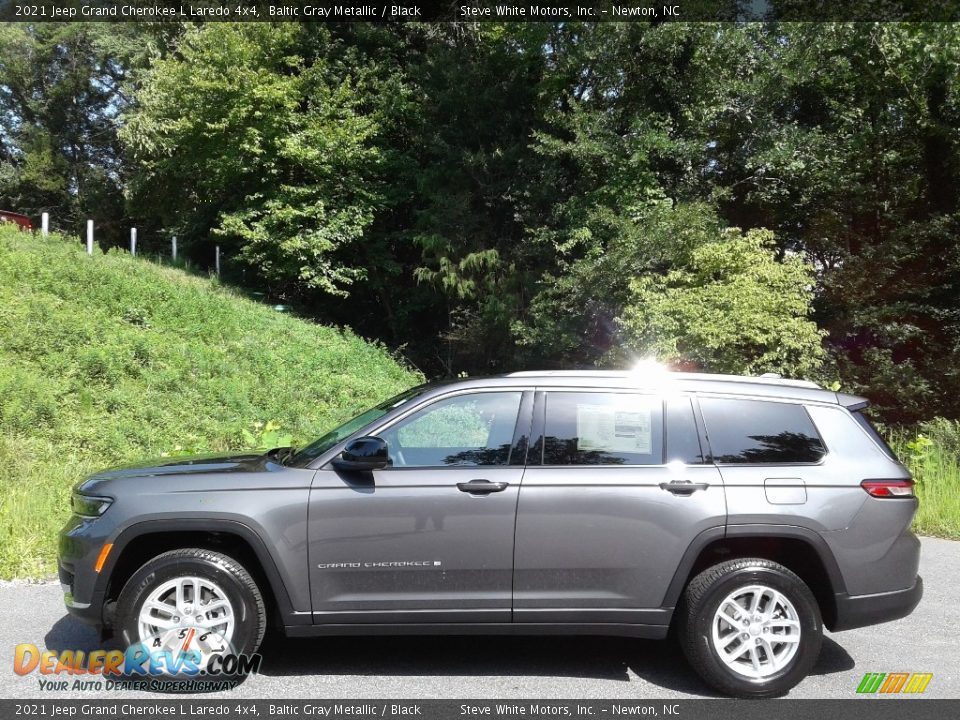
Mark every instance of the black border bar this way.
pixel 649 11
pixel 227 708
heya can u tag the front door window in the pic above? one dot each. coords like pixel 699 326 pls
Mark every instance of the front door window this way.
pixel 465 430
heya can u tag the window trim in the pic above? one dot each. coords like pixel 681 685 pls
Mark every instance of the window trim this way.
pixel 522 432
pixel 758 398
pixel 707 458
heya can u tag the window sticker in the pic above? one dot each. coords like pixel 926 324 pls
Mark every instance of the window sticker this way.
pixel 609 429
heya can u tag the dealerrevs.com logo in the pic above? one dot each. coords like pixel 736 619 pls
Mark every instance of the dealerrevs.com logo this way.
pixel 182 659
pixel 894 683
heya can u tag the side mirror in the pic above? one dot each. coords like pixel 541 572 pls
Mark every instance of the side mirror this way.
pixel 364 453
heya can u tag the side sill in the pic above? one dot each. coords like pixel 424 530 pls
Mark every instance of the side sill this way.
pixel 651 632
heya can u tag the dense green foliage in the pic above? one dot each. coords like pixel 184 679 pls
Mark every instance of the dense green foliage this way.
pixel 493 196
pixel 62 89
pixel 731 307
pixel 267 149
pixel 108 359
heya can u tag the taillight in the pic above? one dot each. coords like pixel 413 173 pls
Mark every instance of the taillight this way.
pixel 888 488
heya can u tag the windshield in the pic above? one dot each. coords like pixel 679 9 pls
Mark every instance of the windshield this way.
pixel 319 446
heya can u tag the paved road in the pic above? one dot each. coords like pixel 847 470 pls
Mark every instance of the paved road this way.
pixel 366 667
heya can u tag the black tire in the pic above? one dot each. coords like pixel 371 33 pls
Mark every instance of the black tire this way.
pixel 701 600
pixel 250 615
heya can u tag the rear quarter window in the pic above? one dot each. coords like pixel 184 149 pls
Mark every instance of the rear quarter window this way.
pixel 864 422
pixel 760 432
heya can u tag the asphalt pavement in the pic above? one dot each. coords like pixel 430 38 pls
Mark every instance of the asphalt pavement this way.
pixel 518 667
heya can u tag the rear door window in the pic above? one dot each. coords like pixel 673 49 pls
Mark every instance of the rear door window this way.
pixel 602 429
pixel 758 431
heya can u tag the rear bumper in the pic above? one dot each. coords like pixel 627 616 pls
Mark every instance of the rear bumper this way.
pixel 855 611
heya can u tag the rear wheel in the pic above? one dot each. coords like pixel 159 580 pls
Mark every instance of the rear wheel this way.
pixel 750 627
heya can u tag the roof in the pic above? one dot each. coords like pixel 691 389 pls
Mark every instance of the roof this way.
pixel 768 379
pixel 763 386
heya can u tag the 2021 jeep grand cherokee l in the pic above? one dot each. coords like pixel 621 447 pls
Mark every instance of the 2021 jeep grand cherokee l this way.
pixel 746 512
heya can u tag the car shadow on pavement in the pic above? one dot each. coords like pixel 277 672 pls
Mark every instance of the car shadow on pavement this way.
pixel 660 663
pixel 68 633
pixel 833 659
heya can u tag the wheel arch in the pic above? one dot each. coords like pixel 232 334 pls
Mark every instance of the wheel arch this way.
pixel 144 540
pixel 797 548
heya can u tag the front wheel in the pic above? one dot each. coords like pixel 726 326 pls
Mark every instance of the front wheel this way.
pixel 192 588
pixel 751 628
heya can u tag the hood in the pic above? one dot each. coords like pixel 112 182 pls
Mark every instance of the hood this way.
pixel 183 465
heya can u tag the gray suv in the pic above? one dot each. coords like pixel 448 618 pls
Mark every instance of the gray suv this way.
pixel 744 513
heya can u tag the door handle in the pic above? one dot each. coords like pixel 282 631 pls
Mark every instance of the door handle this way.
pixel 683 487
pixel 481 487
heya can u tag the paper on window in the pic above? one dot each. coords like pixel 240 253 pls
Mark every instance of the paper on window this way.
pixel 609 429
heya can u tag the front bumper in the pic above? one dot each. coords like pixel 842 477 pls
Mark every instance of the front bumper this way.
pixel 83 592
pixel 855 611
pixel 87 607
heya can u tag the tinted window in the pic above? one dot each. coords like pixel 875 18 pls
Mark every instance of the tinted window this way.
pixel 865 423
pixel 475 429
pixel 683 441
pixel 755 431
pixel 602 429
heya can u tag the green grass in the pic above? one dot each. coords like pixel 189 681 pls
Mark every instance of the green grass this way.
pixel 108 359
pixel 932 452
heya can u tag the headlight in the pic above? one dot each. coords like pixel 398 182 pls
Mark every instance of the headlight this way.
pixel 90 506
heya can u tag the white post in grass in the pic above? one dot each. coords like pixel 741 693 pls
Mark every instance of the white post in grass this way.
pixel 133 241
pixel 173 247
pixel 217 261
pixel 45 224
pixel 89 237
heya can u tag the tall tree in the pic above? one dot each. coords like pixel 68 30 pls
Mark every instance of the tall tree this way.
pixel 843 139
pixel 731 308
pixel 267 148
pixel 60 98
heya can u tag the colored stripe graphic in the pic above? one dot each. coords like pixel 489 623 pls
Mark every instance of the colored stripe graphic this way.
pixel 870 682
pixel 894 682
pixel 918 682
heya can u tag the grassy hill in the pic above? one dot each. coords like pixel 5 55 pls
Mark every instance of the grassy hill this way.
pixel 108 358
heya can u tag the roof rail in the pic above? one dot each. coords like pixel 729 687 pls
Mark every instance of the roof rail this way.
pixel 767 379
